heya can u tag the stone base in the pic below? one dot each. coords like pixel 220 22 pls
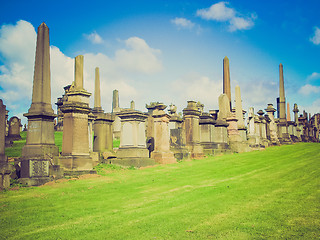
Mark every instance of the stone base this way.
pixel 208 147
pixel 163 157
pixel 196 151
pixel 41 150
pixel 294 138
pixel 180 153
pixel 76 162
pixel 35 181
pixel 220 148
pixel 132 152
pixel 5 171
pixel 239 147
pixel 135 162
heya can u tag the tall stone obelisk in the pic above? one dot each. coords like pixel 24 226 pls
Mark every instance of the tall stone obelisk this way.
pixel 283 125
pixel 226 79
pixel 115 111
pixel 40 148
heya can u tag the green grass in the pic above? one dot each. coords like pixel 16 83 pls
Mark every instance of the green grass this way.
pixel 272 194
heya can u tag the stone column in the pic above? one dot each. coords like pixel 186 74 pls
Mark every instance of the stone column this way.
pixel 132 150
pixel 283 125
pixel 75 143
pixel 161 153
pixel 40 148
pixel 226 79
pixel 191 125
pixel 103 137
pixel 132 105
pixel 115 100
pixel 5 167
pixel 97 99
pixel 272 125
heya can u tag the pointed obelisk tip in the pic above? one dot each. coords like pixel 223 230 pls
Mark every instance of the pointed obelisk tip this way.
pixel 43 25
pixel 226 57
pixel 280 65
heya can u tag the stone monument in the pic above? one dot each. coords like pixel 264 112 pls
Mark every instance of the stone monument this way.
pixel 75 154
pixel 115 110
pixel 14 129
pixel 239 115
pixel 282 125
pixel 40 149
pixel 272 125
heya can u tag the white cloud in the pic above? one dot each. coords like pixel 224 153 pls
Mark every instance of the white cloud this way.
pixel 94 37
pixel 309 89
pixel 313 76
pixel 139 57
pixel 198 88
pixel 313 108
pixel 222 13
pixel 17 48
pixel 315 39
pixel 183 23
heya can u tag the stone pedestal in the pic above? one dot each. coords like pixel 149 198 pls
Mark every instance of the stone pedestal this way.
pixel 132 150
pixel 191 125
pixel 161 153
pixel 207 133
pixel 263 129
pixel 103 134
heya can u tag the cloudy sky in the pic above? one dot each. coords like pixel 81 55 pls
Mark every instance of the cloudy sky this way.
pixel 164 50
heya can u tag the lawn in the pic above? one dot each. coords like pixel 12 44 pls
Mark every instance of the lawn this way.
pixel 271 194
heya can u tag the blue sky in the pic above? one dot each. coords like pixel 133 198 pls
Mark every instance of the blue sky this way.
pixel 167 51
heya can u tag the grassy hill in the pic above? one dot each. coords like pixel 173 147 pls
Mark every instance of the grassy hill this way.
pixel 272 194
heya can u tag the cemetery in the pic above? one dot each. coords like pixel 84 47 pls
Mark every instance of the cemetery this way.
pixel 157 137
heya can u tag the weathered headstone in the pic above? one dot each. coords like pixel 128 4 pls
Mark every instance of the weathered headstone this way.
pixel 40 149
pixel 207 127
pixel 191 125
pixel 292 126
pixel 296 120
pixel 14 129
pixel 263 129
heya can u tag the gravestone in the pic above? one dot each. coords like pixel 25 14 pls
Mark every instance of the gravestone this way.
pixel 133 150
pixel 263 129
pixel 14 129
pixel 40 150
pixel 239 114
pixel 115 110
